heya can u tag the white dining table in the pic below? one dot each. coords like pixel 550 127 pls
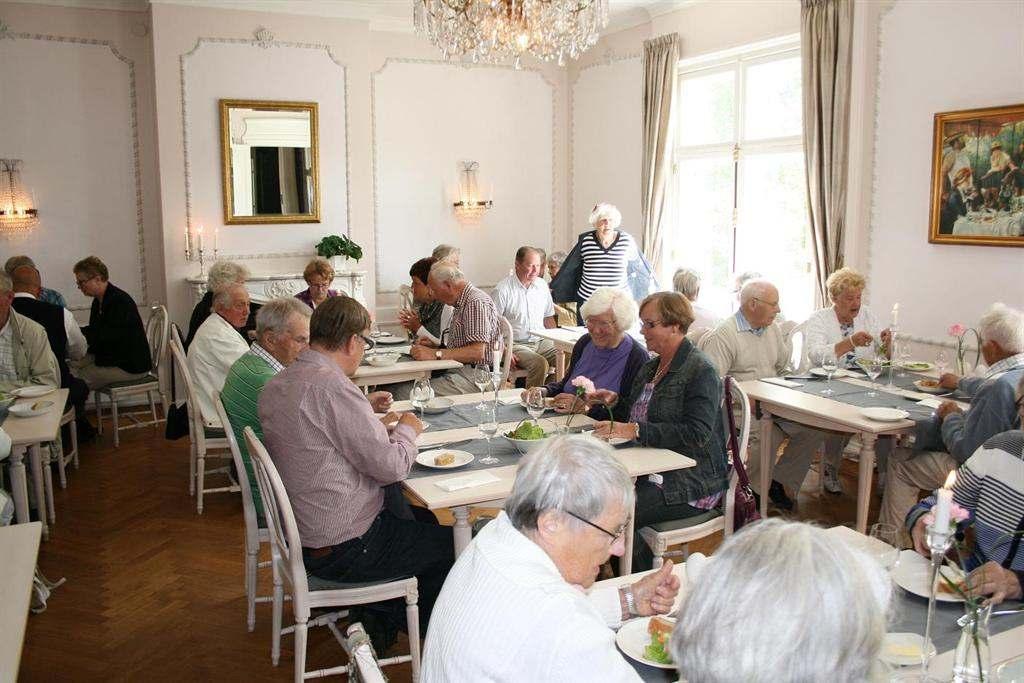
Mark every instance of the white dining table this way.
pixel 28 434
pixel 401 371
pixel 19 548
pixel 564 339
pixel 424 491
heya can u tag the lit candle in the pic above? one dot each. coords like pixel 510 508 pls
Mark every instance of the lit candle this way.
pixel 895 314
pixel 199 237
pixel 944 499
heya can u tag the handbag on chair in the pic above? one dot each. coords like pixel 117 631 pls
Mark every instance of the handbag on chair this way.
pixel 177 416
pixel 745 505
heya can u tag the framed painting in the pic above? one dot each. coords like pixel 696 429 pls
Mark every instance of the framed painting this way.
pixel 978 177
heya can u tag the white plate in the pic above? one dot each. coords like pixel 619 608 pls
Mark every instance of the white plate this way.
pixel 614 441
pixel 884 414
pixel 913 572
pixel 840 372
pixel 930 390
pixel 391 339
pixel 26 410
pixel 426 458
pixel 436 406
pixel 903 649
pixel 633 637
pixel 382 360
pixel 33 391
pixel 918 366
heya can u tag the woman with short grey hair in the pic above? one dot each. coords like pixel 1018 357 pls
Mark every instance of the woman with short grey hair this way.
pixel 520 603
pixel 222 274
pixel 819 605
pixel 606 355
pixel 687 282
pixel 555 261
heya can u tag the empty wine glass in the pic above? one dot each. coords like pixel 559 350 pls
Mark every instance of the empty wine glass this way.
pixel 421 394
pixel 903 356
pixel 535 403
pixel 872 368
pixel 941 362
pixel 888 555
pixel 829 365
pixel 481 375
pixel 488 426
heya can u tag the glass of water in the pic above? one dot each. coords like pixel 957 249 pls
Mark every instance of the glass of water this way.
pixel 422 393
pixel 872 368
pixel 488 426
pixel 535 403
pixel 829 365
pixel 481 375
pixel 886 553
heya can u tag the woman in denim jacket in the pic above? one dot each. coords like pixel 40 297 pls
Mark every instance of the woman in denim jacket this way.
pixel 676 403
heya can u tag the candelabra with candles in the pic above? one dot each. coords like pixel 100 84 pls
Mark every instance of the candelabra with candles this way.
pixel 199 252
pixel 939 537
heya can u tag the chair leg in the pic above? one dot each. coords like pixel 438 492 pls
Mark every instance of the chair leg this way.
pixel 251 572
pixel 48 484
pixel 74 441
pixel 192 468
pixel 117 427
pixel 200 481
pixel 62 461
pixel 300 651
pixel 412 617
pixel 152 406
pixel 98 399
pixel 278 608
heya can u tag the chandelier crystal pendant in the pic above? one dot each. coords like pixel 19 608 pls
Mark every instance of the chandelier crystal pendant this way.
pixel 17 208
pixel 494 31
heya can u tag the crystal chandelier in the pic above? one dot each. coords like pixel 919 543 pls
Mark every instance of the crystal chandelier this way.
pixel 499 30
pixel 17 209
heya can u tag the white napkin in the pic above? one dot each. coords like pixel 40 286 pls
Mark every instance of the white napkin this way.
pixel 510 401
pixel 930 402
pixel 467 481
pixel 781 382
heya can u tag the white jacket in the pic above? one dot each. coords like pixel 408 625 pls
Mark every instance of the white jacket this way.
pixel 822 332
pixel 214 349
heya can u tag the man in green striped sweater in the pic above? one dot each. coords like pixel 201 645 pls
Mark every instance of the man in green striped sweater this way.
pixel 282 332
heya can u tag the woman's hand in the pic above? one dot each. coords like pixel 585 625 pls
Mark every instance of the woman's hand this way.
pixel 993 580
pixel 409 320
pixel 656 592
pixel 564 402
pixel 615 430
pixel 605 397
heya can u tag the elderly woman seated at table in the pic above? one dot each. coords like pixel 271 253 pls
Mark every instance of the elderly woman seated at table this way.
pixel 848 330
pixel 319 274
pixel 606 355
pixel 517 605
pixel 675 403
pixel 813 609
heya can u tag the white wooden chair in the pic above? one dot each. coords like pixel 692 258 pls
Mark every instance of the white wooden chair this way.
pixel 507 373
pixel 661 535
pixel 362 656
pixel 206 442
pixel 255 535
pixel 797 337
pixel 405 298
pixel 71 456
pixel 310 592
pixel 156 333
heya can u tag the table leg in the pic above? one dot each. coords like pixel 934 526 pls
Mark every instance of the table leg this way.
pixel 767 459
pixel 462 532
pixel 866 469
pixel 35 462
pixel 19 487
pixel 44 457
pixel 626 563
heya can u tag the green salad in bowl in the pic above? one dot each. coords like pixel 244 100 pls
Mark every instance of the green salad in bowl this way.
pixel 527 436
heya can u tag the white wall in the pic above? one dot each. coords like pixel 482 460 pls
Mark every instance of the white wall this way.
pixel 936 57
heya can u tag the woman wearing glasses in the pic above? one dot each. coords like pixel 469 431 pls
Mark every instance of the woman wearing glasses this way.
pixel 318 276
pixel 675 403
pixel 606 355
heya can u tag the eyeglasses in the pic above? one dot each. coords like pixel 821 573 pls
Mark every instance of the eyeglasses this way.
pixel 615 536
pixel 370 343
pixel 324 285
pixel 650 324
pixel 769 304
pixel 82 282
pixel 598 324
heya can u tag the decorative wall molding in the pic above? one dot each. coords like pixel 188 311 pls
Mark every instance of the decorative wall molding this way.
pixel 264 39
pixel 458 65
pixel 253 257
pixel 6 32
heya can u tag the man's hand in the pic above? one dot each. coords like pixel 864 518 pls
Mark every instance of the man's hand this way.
pixel 409 320
pixel 656 592
pixel 993 580
pixel 423 341
pixel 563 403
pixel 917 534
pixel 946 408
pixel 861 338
pixel 380 400
pixel 413 421
pixel 949 381
pixel 422 352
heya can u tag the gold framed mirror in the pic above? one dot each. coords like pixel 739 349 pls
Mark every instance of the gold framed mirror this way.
pixel 271 162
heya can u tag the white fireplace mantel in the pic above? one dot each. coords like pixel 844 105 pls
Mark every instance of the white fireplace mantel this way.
pixel 263 288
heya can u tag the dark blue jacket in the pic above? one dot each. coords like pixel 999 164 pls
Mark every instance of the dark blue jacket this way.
pixel 566 284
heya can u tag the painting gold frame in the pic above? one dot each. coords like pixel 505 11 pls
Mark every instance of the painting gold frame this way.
pixel 227 179
pixel 977 181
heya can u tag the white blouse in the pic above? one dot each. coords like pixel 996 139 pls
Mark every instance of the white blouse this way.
pixel 822 332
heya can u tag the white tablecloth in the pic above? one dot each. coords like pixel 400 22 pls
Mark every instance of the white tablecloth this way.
pixel 1001 225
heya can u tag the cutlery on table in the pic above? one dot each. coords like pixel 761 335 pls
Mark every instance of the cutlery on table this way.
pixel 962 621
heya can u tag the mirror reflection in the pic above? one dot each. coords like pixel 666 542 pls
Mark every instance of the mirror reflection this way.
pixel 270 162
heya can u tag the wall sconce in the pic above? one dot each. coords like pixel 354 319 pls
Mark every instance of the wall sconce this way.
pixel 17 207
pixel 471 207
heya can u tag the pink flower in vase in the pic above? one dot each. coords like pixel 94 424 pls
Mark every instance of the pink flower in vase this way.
pixel 583 385
pixel 957 513
pixel 956 330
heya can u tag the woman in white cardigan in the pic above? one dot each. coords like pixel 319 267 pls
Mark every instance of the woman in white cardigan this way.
pixel 850 331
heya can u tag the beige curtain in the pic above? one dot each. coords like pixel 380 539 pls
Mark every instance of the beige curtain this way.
pixel 660 57
pixel 826 29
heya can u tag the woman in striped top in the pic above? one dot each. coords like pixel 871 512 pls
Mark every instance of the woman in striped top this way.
pixel 605 252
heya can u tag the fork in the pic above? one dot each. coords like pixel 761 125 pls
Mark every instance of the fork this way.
pixel 962 621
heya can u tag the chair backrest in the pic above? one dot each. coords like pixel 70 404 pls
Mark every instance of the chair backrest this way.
pixel 741 404
pixel 405 297
pixel 156 333
pixel 696 334
pixel 798 360
pixel 176 335
pixel 285 546
pixel 252 536
pixel 505 332
pixel 195 422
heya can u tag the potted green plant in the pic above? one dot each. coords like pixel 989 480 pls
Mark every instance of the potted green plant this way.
pixel 339 249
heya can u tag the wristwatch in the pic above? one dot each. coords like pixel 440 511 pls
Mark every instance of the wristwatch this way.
pixel 627 593
pixel 437 354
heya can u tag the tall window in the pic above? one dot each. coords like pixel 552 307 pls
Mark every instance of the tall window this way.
pixel 741 197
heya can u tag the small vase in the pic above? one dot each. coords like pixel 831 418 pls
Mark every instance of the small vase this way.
pixel 973 657
pixel 961 367
pixel 340 264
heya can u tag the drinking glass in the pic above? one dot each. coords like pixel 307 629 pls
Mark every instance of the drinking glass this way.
pixel 488 426
pixel 535 403
pixel 481 375
pixel 829 365
pixel 889 555
pixel 941 362
pixel 904 357
pixel 872 368
pixel 421 394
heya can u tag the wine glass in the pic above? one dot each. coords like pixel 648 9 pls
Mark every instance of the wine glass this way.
pixel 488 426
pixel 941 362
pixel 535 403
pixel 481 376
pixel 829 365
pixel 904 357
pixel 888 555
pixel 421 394
pixel 872 368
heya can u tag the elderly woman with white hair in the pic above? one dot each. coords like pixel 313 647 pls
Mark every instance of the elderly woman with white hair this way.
pixel 606 355
pixel 945 441
pixel 820 608
pixel 603 257
pixel 222 274
pixel 687 282
pixel 518 605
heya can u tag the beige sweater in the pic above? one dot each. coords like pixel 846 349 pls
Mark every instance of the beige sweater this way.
pixel 744 355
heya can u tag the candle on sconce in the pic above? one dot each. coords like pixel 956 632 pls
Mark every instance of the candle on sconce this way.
pixel 199 237
pixel 895 314
pixel 944 501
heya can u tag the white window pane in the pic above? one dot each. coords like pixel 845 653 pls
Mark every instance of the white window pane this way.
pixel 772 234
pixel 706 108
pixel 772 107
pixel 703 238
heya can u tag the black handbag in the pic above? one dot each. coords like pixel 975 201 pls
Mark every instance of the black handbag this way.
pixel 177 416
pixel 744 504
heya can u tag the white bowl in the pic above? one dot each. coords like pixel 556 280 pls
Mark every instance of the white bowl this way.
pixel 382 360
pixel 524 446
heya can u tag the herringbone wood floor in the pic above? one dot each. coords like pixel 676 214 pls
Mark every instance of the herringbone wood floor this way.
pixel 154 591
